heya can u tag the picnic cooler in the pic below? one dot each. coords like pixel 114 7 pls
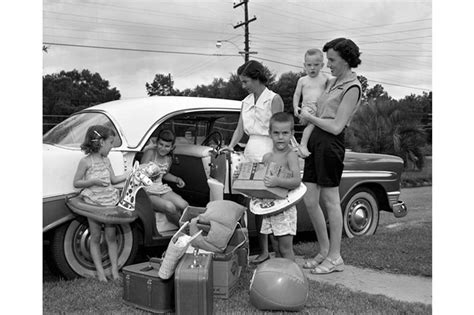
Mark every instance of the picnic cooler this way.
pixel 193 285
pixel 142 288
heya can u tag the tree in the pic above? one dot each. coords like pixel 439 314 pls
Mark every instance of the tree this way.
pixel 381 126
pixel 285 87
pixel 377 92
pixel 364 84
pixel 162 85
pixel 67 92
pixel 420 107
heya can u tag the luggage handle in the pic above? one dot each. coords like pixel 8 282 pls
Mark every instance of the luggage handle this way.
pixel 196 260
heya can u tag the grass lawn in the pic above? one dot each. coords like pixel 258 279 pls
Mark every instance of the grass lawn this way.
pixel 91 296
pixel 405 250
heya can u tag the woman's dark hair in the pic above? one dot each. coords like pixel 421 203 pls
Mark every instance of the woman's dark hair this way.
pixel 254 70
pixel 347 49
pixel 167 135
pixel 91 142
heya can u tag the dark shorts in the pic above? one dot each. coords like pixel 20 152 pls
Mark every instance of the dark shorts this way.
pixel 325 164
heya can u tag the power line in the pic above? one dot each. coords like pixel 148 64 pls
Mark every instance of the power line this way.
pixel 141 50
pixel 148 11
pixel 126 34
pixel 381 82
pixel 346 29
pixel 118 41
pixel 135 23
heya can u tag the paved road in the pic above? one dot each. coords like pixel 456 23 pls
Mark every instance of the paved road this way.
pixel 419 203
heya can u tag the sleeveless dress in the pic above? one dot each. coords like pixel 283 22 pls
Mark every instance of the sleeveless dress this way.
pixel 100 195
pixel 256 123
pixel 158 187
pixel 326 163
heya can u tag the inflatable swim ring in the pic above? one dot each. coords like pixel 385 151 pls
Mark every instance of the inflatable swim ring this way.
pixel 124 211
pixel 273 206
pixel 108 215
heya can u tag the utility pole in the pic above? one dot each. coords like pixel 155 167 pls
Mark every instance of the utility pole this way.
pixel 247 51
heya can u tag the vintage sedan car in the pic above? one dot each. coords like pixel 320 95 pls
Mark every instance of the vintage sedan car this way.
pixel 370 182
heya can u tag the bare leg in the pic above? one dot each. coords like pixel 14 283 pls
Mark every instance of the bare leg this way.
pixel 177 200
pixel 262 241
pixel 166 207
pixel 285 243
pixel 95 230
pixel 331 202
pixel 316 215
pixel 303 147
pixel 275 246
pixel 111 239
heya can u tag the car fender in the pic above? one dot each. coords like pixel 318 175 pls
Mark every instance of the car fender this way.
pixel 378 182
pixel 56 213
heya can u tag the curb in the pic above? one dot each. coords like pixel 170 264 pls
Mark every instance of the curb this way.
pixel 411 289
pixel 404 288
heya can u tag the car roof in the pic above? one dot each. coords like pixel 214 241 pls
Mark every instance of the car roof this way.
pixel 136 116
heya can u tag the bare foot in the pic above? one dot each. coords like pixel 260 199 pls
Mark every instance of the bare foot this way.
pixel 115 276
pixel 303 151
pixel 102 278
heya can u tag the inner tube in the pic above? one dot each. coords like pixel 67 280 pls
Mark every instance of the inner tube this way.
pixel 107 215
pixel 274 206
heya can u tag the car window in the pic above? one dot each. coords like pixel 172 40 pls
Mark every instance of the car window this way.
pixel 72 131
pixel 193 128
pixel 226 126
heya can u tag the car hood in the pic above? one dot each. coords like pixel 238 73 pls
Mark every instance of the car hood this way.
pixel 372 162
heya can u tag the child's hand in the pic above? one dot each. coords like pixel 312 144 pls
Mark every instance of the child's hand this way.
pixel 296 111
pixel 180 183
pixel 151 146
pixel 305 114
pixel 101 182
pixel 270 181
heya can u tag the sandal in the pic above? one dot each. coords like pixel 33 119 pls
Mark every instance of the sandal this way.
pixel 258 261
pixel 329 266
pixel 313 263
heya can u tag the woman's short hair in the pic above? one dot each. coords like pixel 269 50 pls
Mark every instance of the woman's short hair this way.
pixel 254 70
pixel 347 49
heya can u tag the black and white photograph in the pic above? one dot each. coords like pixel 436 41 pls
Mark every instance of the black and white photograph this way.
pixel 238 157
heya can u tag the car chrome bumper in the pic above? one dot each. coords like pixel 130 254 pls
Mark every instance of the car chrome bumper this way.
pixel 399 209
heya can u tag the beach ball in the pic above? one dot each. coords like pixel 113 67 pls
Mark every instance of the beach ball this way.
pixel 279 284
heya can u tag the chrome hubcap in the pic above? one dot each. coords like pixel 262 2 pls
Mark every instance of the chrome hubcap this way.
pixel 81 248
pixel 359 216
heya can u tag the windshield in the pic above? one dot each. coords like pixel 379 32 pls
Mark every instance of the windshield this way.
pixel 72 131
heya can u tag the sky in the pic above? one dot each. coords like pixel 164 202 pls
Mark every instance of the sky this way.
pixel 179 37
